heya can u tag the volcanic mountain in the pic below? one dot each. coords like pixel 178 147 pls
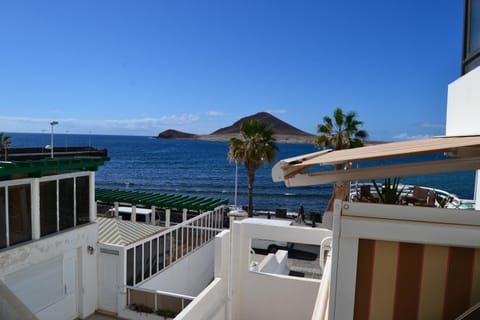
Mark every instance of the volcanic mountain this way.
pixel 283 131
pixel 278 126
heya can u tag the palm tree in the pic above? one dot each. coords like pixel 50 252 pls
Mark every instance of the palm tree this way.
pixel 256 146
pixel 340 133
pixel 5 143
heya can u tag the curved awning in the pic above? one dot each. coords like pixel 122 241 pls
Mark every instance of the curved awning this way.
pixel 300 171
pixel 149 199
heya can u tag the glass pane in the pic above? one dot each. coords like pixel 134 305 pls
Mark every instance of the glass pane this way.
pixel 66 203
pixel 138 264
pixel 83 199
pixel 48 207
pixel 3 220
pixel 154 256
pixel 130 267
pixel 160 252
pixel 146 260
pixel 472 65
pixel 184 240
pixel 174 245
pixel 474 26
pixel 167 249
pixel 19 214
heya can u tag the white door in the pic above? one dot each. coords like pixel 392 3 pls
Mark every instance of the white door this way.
pixel 107 291
pixel 70 286
pixel 49 288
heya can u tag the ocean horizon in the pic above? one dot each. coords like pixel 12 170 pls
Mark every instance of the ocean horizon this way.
pixel 201 168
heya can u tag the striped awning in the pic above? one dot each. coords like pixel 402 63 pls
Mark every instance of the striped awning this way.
pixel 149 199
pixel 115 231
pixel 298 171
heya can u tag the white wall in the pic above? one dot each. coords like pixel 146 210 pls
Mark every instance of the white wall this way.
pixel 72 243
pixel 265 296
pixel 463 105
pixel 463 112
pixel 189 276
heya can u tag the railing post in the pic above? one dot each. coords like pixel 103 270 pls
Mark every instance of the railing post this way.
pixel 167 217
pixel 133 217
pixel 153 216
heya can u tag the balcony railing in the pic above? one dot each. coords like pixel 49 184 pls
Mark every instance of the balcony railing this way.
pixel 154 254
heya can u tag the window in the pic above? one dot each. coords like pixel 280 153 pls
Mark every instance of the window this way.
pixel 83 199
pixel 138 264
pixel 48 207
pixel 471 43
pixel 154 256
pixel 474 26
pixel 161 248
pixel 66 203
pixel 19 214
pixel 130 267
pixel 146 260
pixel 3 220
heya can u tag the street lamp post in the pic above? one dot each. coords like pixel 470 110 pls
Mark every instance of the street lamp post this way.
pixel 52 124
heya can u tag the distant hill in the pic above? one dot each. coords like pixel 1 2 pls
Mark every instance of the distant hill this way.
pixel 175 134
pixel 283 131
pixel 279 127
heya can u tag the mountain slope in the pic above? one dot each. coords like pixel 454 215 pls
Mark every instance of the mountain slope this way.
pixel 279 127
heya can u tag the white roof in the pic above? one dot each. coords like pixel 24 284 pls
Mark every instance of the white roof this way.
pixel 120 232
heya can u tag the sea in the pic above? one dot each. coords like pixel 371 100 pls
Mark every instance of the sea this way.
pixel 201 168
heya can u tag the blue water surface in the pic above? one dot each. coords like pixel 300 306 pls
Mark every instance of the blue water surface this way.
pixel 201 168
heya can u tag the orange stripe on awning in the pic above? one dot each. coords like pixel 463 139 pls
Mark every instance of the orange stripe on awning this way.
pixel 459 282
pixel 409 276
pixel 363 291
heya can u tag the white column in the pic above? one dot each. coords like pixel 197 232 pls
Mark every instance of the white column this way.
pixel 115 213
pixel 153 215
pixel 133 216
pixel 476 195
pixel 167 217
pixel 184 216
pixel 36 209
pixel 93 203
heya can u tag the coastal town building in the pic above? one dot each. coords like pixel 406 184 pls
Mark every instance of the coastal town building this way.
pixel 58 260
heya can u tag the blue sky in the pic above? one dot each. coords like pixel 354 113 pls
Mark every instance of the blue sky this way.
pixel 141 67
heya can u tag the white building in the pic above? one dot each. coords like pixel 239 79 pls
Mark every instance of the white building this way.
pixel 48 238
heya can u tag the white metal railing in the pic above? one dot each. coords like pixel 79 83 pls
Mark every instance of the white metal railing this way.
pixel 154 254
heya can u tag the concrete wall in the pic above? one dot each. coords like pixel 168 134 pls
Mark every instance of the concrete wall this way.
pixel 72 243
pixel 257 295
pixel 463 105
pixel 463 112
pixel 189 276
